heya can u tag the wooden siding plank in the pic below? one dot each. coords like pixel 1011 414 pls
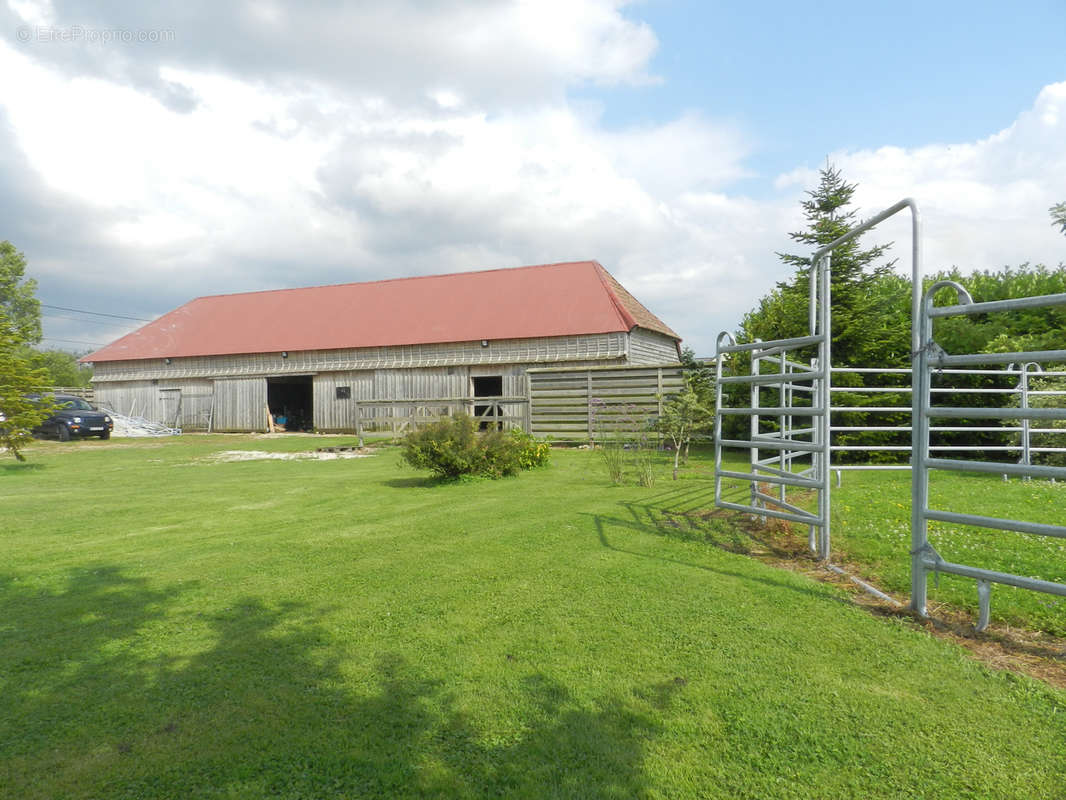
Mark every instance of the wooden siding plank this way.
pixel 566 403
pixel 239 404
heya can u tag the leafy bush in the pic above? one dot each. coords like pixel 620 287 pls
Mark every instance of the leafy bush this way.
pixel 531 453
pixel 452 447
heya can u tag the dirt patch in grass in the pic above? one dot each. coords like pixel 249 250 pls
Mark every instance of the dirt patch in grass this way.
pixel 779 544
pixel 330 454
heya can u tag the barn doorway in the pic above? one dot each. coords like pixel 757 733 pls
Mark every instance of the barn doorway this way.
pixel 291 402
pixel 488 414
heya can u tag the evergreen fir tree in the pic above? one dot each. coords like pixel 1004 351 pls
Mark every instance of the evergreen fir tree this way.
pixel 860 326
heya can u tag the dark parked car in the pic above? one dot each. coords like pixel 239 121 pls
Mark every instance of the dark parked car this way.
pixel 75 417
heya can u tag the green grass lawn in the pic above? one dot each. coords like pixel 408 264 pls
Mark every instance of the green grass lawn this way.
pixel 871 530
pixel 872 527
pixel 173 626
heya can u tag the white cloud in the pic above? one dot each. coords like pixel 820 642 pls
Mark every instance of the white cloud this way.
pixel 984 204
pixel 452 147
pixel 261 186
pixel 33 12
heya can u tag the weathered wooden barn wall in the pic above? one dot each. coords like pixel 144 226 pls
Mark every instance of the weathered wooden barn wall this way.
pixel 550 350
pixel 132 398
pixel 599 402
pixel 650 347
pixel 332 413
pixel 229 393
pixel 185 404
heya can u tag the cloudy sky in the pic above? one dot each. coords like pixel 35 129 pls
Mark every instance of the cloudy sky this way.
pixel 152 153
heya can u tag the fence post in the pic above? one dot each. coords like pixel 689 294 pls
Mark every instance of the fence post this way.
pixel 920 336
pixel 588 403
pixel 826 324
pixel 529 405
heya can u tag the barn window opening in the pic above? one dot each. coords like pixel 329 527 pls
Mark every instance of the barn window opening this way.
pixel 488 415
pixel 290 402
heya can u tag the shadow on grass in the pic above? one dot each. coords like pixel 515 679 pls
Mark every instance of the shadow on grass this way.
pixel 602 523
pixel 20 467
pixel 688 514
pixel 697 519
pixel 96 699
pixel 414 483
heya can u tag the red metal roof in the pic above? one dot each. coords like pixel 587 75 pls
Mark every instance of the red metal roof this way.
pixel 567 299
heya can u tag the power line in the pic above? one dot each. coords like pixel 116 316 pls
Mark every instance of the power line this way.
pixel 78 319
pixel 95 313
pixel 72 341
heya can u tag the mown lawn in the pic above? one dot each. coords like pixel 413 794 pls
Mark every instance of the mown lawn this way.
pixel 173 626
pixel 871 531
pixel 872 527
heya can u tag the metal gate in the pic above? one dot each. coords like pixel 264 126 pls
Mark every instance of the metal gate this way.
pixel 930 356
pixel 802 391
pixel 788 444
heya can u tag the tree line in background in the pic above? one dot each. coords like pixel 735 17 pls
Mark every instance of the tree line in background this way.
pixel 871 320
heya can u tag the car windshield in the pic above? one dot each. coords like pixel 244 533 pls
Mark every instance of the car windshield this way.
pixel 75 404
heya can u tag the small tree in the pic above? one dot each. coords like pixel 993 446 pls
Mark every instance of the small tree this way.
pixel 698 376
pixel 862 328
pixel 17 379
pixel 1058 215
pixel 682 418
pixel 18 296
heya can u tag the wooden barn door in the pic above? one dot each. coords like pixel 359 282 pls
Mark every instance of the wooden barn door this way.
pixel 240 404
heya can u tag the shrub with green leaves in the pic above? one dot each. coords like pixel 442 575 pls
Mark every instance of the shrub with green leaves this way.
pixel 531 453
pixel 452 447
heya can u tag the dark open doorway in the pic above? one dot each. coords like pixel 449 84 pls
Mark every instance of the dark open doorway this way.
pixel 488 414
pixel 291 402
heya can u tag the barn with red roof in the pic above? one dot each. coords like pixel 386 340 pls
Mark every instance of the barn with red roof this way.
pixel 311 357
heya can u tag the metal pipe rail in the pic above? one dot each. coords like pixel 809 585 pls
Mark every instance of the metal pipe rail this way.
pixel 764 468
pixel 776 377
pixel 1024 428
pixel 968 306
pixel 794 343
pixel 980 521
pixel 997 358
pixel 907 371
pixel 789 480
pixel 927 357
pixel 945 412
pixel 804 519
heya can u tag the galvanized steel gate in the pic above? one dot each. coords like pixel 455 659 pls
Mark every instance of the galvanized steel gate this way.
pixel 789 444
pixel 805 392
pixel 930 356
pixel 802 391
